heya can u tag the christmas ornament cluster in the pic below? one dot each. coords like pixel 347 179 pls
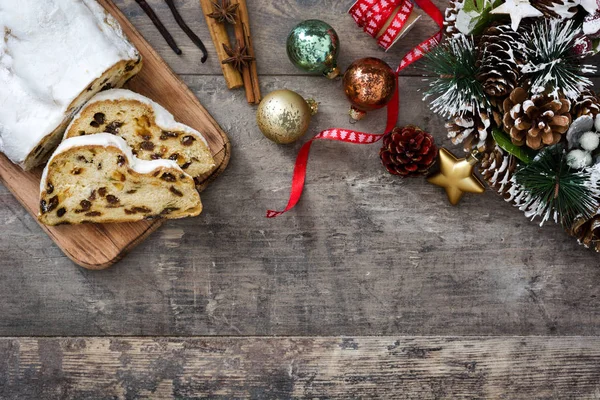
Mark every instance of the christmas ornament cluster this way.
pixel 313 46
pixel 512 79
pixel 368 83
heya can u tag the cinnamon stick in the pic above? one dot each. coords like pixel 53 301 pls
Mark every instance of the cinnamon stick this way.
pixel 245 23
pixel 240 37
pixel 218 33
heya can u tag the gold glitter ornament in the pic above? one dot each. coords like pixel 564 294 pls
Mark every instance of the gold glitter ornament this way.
pixel 283 116
pixel 457 176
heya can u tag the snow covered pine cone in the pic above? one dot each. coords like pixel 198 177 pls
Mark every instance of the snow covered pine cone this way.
pixel 408 151
pixel 496 168
pixel 450 15
pixel 500 57
pixel 536 120
pixel 470 129
pixel 586 104
pixel 587 231
pixel 561 9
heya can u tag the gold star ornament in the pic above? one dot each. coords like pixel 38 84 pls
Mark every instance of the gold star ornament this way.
pixel 457 176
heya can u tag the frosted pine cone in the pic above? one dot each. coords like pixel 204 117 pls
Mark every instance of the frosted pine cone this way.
pixel 497 111
pixel 450 17
pixel 470 129
pixel 537 120
pixel 496 168
pixel 561 9
pixel 586 104
pixel 587 231
pixel 408 151
pixel 501 53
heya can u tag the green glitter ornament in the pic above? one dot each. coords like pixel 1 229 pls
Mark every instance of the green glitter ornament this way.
pixel 313 46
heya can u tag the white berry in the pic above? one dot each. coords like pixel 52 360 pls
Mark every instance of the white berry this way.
pixel 579 159
pixel 589 141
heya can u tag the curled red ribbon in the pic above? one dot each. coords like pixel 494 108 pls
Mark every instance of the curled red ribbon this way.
pixel 351 136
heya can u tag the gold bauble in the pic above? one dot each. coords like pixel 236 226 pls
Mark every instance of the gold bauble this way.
pixel 456 176
pixel 283 116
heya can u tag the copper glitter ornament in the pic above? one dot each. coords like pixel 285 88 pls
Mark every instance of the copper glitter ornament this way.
pixel 369 84
pixel 283 116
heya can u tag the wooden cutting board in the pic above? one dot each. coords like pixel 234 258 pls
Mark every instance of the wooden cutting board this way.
pixel 96 246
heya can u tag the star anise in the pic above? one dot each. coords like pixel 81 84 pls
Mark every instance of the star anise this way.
pixel 238 56
pixel 225 11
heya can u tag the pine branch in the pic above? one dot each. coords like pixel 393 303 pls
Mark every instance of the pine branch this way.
pixel 456 88
pixel 547 188
pixel 553 65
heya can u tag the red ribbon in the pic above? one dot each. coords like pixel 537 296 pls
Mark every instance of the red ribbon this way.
pixel 351 136
pixel 387 39
pixel 372 15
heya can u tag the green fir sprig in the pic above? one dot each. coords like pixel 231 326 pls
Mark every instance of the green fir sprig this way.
pixel 548 188
pixel 553 66
pixel 455 88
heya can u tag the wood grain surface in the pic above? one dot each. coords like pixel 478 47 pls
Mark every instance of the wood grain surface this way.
pixel 95 246
pixel 364 254
pixel 315 368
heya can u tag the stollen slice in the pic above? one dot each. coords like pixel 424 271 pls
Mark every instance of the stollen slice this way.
pixel 149 129
pixel 96 178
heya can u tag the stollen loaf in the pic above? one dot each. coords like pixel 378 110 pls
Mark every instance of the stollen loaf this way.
pixel 54 56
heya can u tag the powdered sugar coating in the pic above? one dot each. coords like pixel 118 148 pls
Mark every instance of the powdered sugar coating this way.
pixel 50 52
pixel 109 140
pixel 164 119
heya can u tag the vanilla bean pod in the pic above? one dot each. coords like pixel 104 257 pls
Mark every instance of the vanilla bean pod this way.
pixel 159 25
pixel 197 41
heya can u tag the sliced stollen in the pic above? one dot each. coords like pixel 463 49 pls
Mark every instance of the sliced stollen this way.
pixel 54 56
pixel 96 178
pixel 149 129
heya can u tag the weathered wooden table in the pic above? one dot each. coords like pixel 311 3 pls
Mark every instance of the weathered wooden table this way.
pixel 371 286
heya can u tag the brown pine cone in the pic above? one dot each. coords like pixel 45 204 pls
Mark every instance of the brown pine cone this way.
pixel 500 54
pixel 408 151
pixel 470 129
pixel 586 104
pixel 587 231
pixel 537 120
pixel 450 17
pixel 561 9
pixel 497 110
pixel 496 168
